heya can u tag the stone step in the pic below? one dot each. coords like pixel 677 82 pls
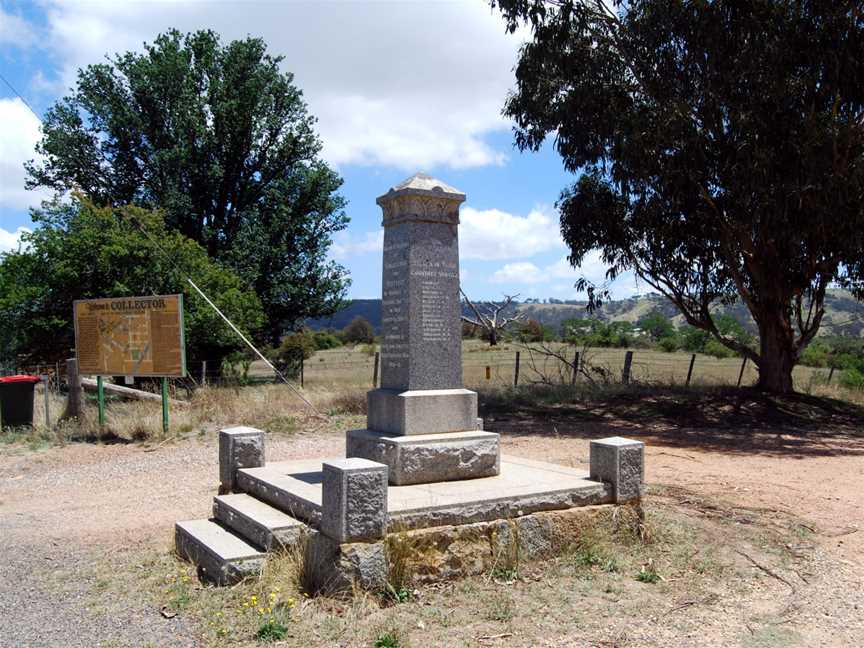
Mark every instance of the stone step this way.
pixel 220 555
pixel 263 525
pixel 298 495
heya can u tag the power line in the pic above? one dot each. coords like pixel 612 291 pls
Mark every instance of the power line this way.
pixel 18 94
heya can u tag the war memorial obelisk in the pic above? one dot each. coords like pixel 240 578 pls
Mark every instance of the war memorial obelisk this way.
pixel 422 422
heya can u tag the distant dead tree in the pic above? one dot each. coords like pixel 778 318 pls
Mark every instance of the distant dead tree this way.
pixel 492 322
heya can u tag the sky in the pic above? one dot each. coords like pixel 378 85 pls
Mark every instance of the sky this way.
pixel 397 87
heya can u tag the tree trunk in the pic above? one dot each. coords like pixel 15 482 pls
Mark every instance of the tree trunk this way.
pixel 493 337
pixel 275 335
pixel 777 357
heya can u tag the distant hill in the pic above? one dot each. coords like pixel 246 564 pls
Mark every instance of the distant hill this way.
pixel 843 316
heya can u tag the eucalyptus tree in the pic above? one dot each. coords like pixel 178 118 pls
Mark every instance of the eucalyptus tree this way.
pixel 718 147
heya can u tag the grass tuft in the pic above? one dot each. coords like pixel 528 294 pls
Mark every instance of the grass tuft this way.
pixel 271 630
pixel 388 640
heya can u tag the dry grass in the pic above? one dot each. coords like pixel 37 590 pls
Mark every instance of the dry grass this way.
pixel 694 558
pixel 346 367
pixel 271 407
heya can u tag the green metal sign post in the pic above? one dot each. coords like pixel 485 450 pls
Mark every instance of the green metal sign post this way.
pixel 165 405
pixel 100 398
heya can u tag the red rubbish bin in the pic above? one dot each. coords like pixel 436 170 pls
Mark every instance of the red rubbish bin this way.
pixel 16 400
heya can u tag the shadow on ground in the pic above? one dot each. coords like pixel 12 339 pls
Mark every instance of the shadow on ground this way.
pixel 730 420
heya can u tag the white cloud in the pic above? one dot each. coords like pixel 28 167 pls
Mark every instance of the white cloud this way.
pixel 547 279
pixel 592 268
pixel 14 30
pixel 405 84
pixel 19 133
pixel 346 245
pixel 491 234
pixel 9 240
pixel 521 272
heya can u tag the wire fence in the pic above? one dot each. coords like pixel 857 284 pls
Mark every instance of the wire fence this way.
pixel 511 365
pixel 490 366
pixel 358 368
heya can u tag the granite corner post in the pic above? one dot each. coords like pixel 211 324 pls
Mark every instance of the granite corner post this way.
pixel 619 462
pixel 422 422
pixel 239 447
pixel 354 500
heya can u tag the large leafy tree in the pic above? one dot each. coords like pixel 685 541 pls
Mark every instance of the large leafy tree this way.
pixel 80 251
pixel 719 148
pixel 221 140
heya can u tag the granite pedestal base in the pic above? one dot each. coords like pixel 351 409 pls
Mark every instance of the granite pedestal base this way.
pixel 425 411
pixel 428 458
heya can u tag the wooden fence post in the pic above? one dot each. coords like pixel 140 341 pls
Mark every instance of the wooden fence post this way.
pixel 302 370
pixel 203 373
pixel 73 401
pixel 375 370
pixel 488 372
pixel 690 370
pixel 516 371
pixel 575 368
pixel 741 373
pixel 46 380
pixel 628 361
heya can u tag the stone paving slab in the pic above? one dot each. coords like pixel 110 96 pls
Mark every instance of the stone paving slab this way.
pixel 223 556
pixel 292 487
pixel 522 487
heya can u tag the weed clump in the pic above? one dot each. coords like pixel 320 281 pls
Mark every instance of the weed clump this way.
pixel 271 630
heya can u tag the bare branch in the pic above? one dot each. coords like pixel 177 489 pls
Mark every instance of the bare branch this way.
pixel 490 320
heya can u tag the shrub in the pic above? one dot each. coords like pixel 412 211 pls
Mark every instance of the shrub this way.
pixel 235 367
pixel 325 340
pixel 817 354
pixel 693 339
pixel 531 331
pixel 668 344
pixel 852 378
pixel 358 331
pixel 656 325
pixel 296 344
pixel 714 348
pixel 300 344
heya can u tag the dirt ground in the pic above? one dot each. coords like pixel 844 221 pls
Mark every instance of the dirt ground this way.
pixel 64 510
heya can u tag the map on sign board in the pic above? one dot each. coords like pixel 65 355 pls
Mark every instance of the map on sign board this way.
pixel 130 336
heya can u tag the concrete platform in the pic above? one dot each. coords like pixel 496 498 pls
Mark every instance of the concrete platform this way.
pixel 521 488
